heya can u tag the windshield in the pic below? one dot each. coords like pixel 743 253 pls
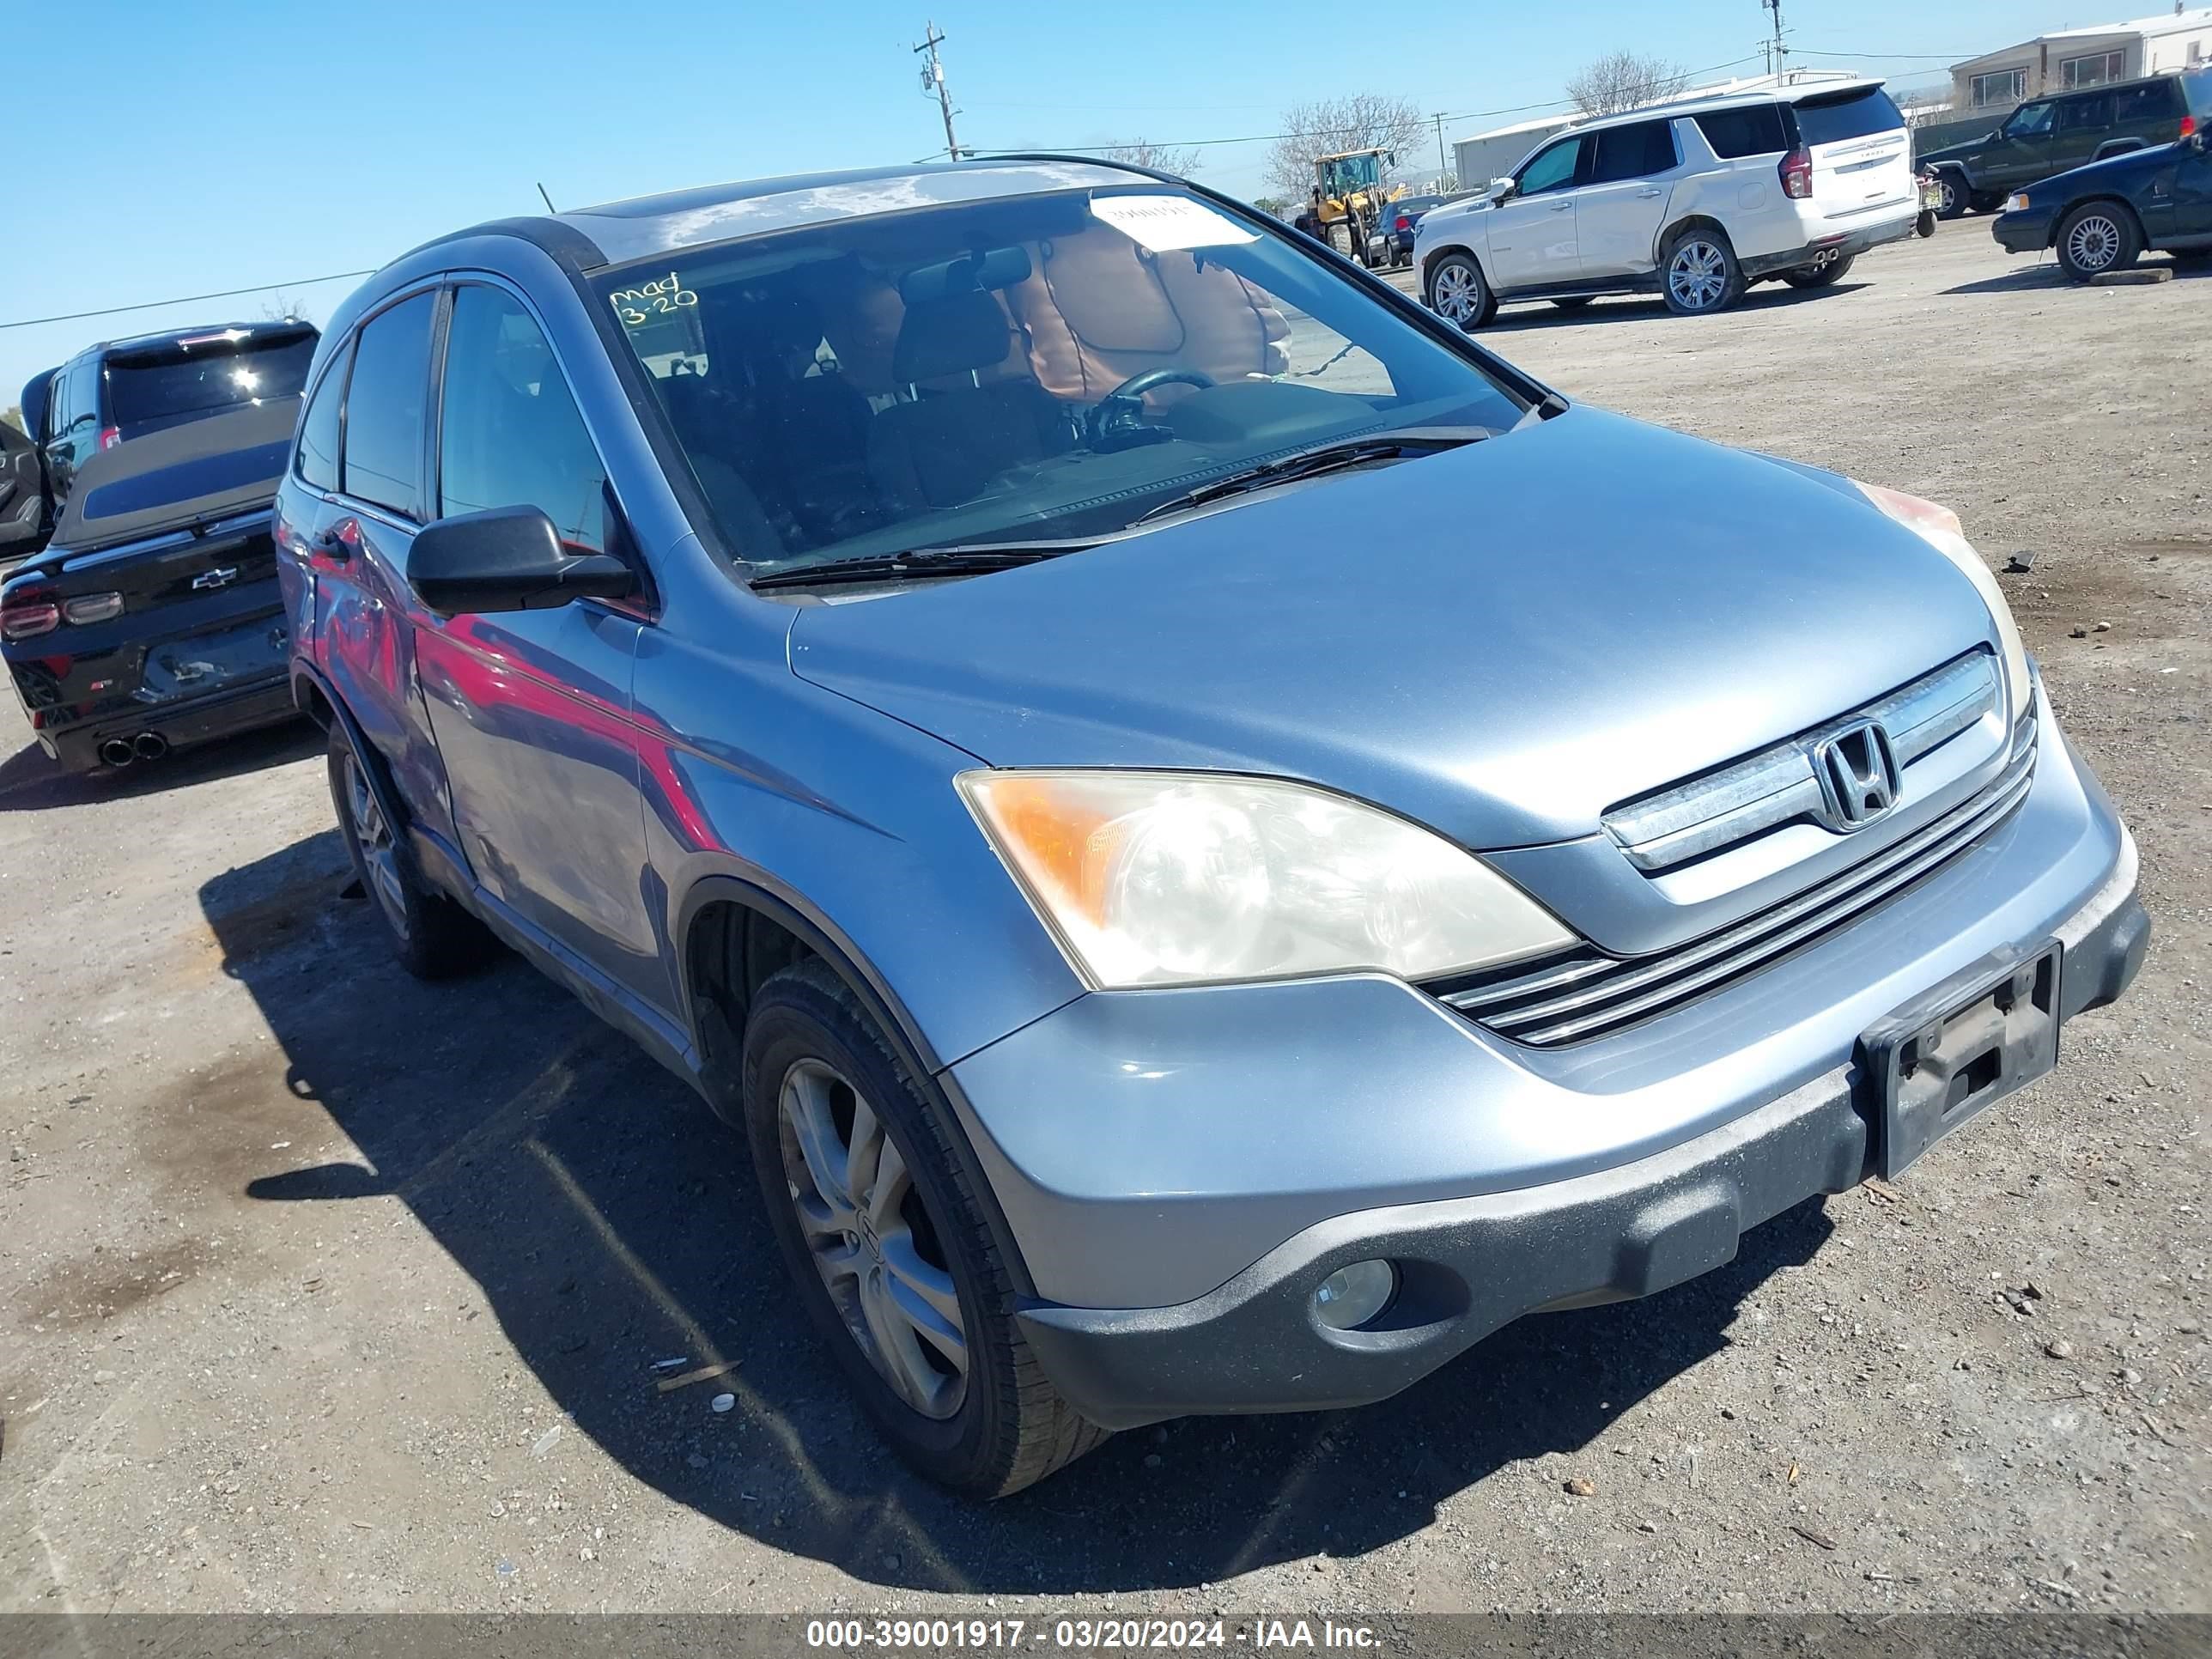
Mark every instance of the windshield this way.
pixel 2029 121
pixel 197 377
pixel 1035 367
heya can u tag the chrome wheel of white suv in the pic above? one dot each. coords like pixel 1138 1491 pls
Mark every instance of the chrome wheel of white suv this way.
pixel 1458 293
pixel 1700 273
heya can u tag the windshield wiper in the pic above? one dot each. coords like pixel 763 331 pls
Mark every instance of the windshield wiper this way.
pixel 970 560
pixel 1322 457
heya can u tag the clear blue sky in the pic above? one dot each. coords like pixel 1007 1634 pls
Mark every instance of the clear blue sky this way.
pixel 214 145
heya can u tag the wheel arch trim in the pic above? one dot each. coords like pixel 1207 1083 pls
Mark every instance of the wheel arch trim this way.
pixel 912 1046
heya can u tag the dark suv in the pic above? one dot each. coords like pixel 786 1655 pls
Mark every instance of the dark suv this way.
pixel 118 390
pixel 2065 129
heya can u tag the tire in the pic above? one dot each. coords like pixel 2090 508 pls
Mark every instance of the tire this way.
pixel 1458 292
pixel 814 1059
pixel 2098 237
pixel 432 936
pixel 1338 235
pixel 1958 199
pixel 1820 276
pixel 1698 273
pixel 1574 301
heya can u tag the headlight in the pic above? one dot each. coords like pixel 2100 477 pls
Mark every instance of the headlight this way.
pixel 1174 879
pixel 1940 528
pixel 2016 202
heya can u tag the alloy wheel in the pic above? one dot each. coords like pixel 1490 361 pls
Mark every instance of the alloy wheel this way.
pixel 2094 243
pixel 872 1240
pixel 1697 275
pixel 379 856
pixel 1456 293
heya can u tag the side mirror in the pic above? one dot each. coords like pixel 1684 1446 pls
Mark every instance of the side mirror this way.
pixel 1501 189
pixel 508 559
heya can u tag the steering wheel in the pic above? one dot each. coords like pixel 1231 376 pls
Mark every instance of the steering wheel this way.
pixel 1122 408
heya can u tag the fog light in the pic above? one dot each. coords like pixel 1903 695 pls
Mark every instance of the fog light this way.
pixel 1354 1294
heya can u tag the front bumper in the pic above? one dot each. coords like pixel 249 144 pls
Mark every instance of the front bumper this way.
pixel 1468 1266
pixel 2025 231
pixel 1183 1160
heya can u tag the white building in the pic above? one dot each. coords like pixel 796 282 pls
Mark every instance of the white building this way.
pixel 1996 81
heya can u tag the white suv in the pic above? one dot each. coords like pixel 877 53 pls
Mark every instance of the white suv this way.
pixel 1695 200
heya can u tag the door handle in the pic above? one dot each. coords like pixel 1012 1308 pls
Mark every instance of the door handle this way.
pixel 1648 194
pixel 1563 207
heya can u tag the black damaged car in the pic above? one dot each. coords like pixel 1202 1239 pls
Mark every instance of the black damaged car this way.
pixel 152 619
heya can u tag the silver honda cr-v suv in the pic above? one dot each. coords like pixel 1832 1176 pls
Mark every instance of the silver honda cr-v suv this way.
pixel 911 649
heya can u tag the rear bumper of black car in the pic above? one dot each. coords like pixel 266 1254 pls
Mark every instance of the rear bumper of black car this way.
pixel 179 725
pixel 217 666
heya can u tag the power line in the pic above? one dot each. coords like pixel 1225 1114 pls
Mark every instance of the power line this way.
pixel 185 300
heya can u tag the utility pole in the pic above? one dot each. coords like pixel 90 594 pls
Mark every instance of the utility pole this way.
pixel 932 80
pixel 1443 168
pixel 1779 58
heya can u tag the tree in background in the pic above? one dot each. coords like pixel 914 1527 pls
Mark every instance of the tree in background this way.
pixel 1623 81
pixel 1164 158
pixel 13 416
pixel 282 308
pixel 1274 205
pixel 1364 120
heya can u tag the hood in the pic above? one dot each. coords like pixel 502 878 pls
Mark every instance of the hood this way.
pixel 1557 620
pixel 1960 152
pixel 212 468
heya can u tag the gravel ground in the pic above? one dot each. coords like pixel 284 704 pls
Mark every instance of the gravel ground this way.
pixel 323 1289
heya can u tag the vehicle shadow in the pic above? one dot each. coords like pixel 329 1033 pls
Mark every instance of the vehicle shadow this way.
pixel 611 1223
pixel 1623 309
pixel 2046 274
pixel 30 782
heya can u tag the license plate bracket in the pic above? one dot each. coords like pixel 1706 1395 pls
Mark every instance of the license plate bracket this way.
pixel 1969 1043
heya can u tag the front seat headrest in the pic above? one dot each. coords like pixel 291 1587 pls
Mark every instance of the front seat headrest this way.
pixel 954 335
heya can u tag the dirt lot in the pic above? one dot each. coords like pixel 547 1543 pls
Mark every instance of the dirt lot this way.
pixel 323 1289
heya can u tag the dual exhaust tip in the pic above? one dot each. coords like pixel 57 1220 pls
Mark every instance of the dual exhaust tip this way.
pixel 121 751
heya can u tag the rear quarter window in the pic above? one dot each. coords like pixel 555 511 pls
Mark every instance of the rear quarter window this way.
pixel 1854 115
pixel 1754 130
pixel 317 462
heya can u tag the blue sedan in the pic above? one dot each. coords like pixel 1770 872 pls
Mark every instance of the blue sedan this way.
pixel 2101 217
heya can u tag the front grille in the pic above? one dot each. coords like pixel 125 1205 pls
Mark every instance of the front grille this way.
pixel 1589 994
pixel 1781 784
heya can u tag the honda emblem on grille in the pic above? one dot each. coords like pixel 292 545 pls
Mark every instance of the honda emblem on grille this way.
pixel 1858 775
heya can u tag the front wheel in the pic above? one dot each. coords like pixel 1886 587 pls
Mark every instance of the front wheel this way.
pixel 2095 238
pixel 1458 293
pixel 1701 274
pixel 1957 199
pixel 889 1247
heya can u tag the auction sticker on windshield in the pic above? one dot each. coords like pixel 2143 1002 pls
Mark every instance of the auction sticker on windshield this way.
pixel 1159 223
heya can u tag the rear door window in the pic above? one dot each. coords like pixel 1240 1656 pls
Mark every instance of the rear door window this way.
pixel 1831 120
pixel 2149 103
pixel 317 463
pixel 1753 129
pixel 180 381
pixel 1636 151
pixel 383 456
pixel 509 434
